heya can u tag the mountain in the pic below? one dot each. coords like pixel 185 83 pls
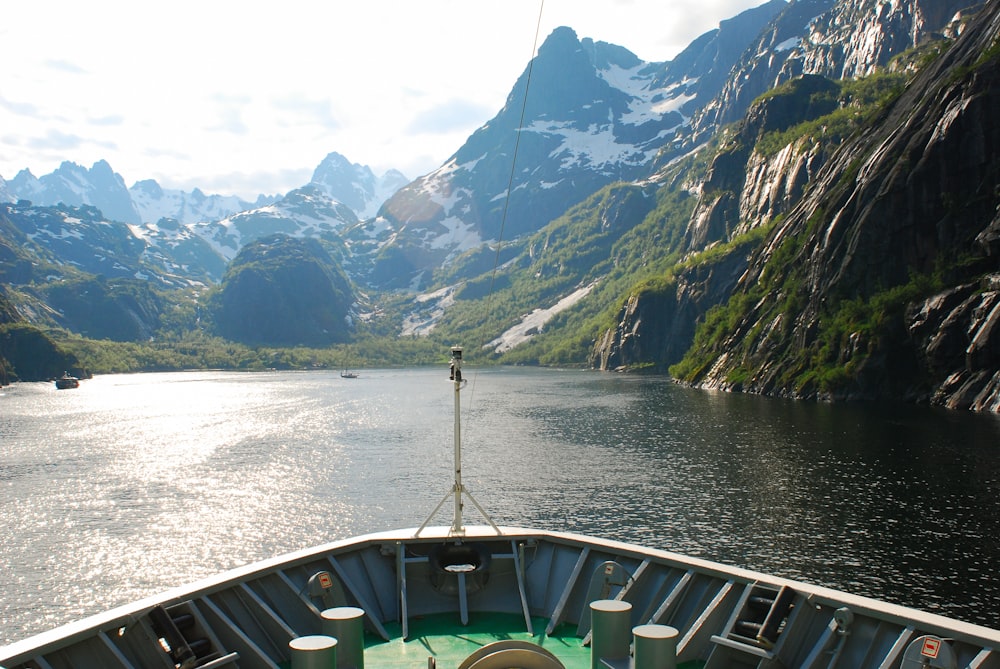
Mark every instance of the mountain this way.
pixel 283 291
pixel 202 250
pixel 595 114
pixel 354 185
pixel 76 236
pixel 189 237
pixel 880 278
pixel 73 185
pixel 741 215
pixel 154 202
pixel 100 187
pixel 146 202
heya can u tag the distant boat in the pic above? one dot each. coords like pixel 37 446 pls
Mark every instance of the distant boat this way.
pixel 348 375
pixel 66 381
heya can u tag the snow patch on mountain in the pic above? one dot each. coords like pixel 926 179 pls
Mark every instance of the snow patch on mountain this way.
pixel 596 147
pixel 533 323
pixel 428 310
pixel 459 236
pixel 155 202
pixel 788 44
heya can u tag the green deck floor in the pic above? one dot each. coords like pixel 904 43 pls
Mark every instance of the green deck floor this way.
pixel 438 636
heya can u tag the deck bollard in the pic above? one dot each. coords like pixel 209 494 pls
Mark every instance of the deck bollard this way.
pixel 655 647
pixel 611 626
pixel 346 625
pixel 316 651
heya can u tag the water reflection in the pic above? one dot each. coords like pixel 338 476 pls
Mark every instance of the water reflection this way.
pixel 139 483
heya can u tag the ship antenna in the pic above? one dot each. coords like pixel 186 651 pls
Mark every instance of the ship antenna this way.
pixel 458 489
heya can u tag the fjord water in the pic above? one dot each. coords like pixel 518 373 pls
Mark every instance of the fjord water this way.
pixel 134 484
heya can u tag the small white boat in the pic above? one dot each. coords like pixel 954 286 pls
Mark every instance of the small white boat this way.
pixel 67 381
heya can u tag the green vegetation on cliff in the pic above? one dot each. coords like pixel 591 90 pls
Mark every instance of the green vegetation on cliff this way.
pixel 28 354
pixel 845 106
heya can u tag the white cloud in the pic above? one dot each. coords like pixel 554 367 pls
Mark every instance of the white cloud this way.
pixel 189 92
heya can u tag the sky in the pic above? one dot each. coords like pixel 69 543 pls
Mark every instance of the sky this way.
pixel 247 97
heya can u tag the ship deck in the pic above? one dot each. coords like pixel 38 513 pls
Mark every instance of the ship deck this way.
pixel 437 636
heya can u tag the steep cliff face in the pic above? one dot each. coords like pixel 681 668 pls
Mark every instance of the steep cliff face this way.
pixel 860 36
pixel 656 325
pixel 833 39
pixel 745 187
pixel 881 281
pixel 956 336
pixel 775 183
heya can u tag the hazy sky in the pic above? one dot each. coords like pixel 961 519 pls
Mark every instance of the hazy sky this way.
pixel 247 97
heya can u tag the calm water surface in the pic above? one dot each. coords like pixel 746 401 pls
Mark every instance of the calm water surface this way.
pixel 133 484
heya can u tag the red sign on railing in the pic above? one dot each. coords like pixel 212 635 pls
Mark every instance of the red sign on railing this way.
pixel 931 647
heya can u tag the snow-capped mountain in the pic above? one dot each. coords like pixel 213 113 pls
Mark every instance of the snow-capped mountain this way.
pixel 147 202
pixel 78 236
pixel 595 114
pixel 208 246
pixel 75 185
pixel 356 185
pixel 155 202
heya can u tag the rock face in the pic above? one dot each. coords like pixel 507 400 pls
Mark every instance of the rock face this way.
pixel 660 324
pixel 957 335
pixel 838 40
pixel 897 203
pixel 743 190
pixel 855 292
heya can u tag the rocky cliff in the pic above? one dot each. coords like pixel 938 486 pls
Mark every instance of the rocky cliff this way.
pixel 656 325
pixel 882 281
pixel 742 190
pixel 838 40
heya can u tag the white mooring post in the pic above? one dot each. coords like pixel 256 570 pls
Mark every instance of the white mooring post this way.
pixel 346 625
pixel 316 651
pixel 611 627
pixel 655 646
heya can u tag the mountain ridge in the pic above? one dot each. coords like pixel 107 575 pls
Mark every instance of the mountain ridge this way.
pixel 643 231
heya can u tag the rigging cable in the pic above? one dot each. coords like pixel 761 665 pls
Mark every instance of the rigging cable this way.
pixel 513 160
pixel 510 182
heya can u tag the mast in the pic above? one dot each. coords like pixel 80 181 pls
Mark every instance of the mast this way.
pixel 457 490
pixel 456 377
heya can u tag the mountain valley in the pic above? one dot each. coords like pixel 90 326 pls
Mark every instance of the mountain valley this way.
pixel 803 203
